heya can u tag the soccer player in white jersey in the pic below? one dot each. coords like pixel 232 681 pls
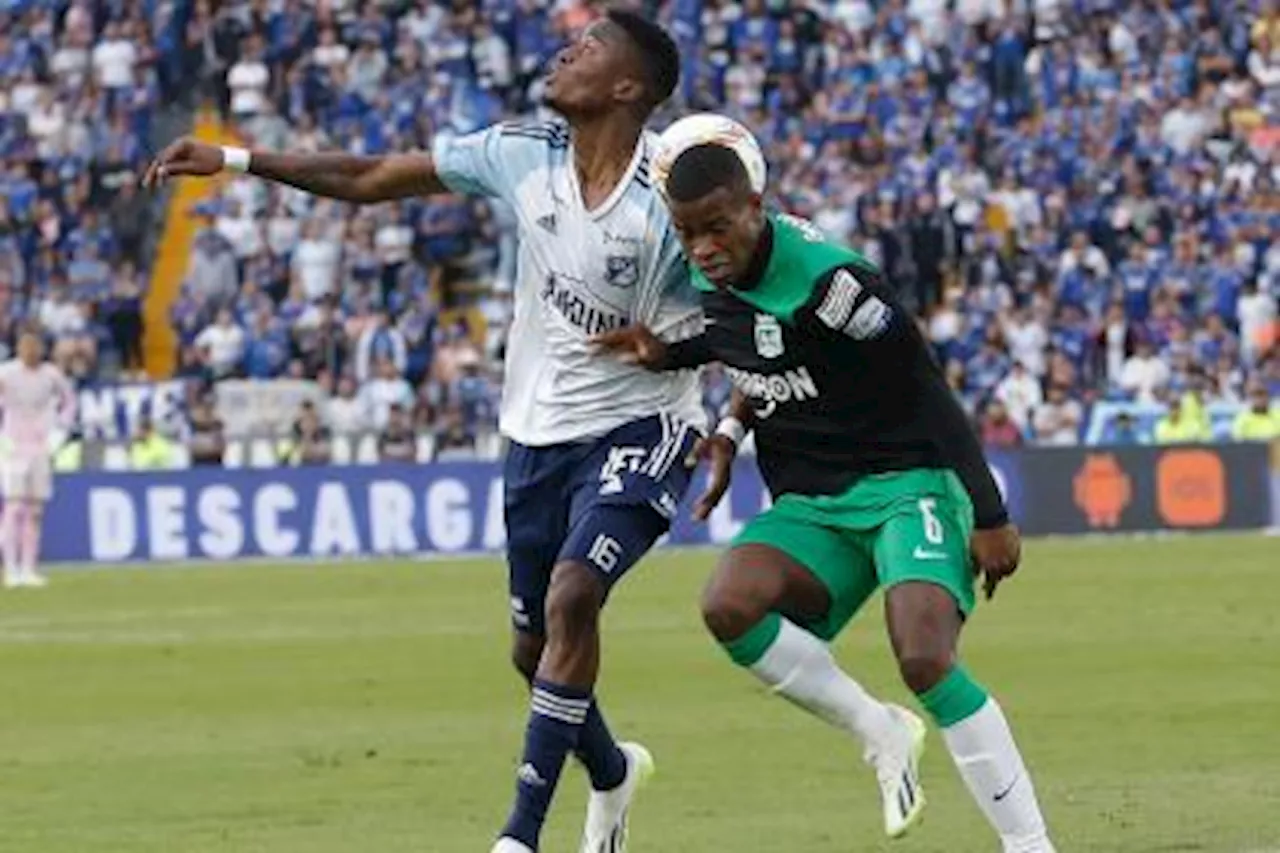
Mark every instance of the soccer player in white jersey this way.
pixel 38 407
pixel 593 476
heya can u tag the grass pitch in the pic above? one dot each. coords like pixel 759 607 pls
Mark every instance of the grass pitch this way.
pixel 369 708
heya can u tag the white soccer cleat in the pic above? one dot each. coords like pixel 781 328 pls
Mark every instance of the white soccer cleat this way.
pixel 34 580
pixel 13 580
pixel 606 827
pixel 897 766
pixel 510 845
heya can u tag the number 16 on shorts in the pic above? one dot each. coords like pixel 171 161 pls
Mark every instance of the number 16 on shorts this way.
pixel 604 553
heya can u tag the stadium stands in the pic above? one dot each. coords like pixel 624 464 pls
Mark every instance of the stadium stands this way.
pixel 1081 198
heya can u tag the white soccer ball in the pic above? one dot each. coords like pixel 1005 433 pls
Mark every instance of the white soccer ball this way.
pixel 704 128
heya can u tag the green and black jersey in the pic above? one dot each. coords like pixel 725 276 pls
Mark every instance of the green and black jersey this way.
pixel 843 383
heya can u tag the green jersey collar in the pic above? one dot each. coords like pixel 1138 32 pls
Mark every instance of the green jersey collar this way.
pixel 760 260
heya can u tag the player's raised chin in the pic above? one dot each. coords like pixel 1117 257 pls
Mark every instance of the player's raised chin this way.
pixel 718 215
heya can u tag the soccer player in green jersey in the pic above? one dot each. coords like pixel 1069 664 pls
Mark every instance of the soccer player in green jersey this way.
pixel 877 481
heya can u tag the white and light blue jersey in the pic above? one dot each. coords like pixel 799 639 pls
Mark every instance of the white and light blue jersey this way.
pixel 579 273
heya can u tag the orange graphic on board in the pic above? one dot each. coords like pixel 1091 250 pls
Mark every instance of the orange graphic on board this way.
pixel 1191 488
pixel 1102 490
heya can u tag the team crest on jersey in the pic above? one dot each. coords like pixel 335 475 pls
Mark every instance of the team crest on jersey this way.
pixel 768 336
pixel 622 270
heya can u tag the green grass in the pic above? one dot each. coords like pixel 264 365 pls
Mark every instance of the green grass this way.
pixel 370 709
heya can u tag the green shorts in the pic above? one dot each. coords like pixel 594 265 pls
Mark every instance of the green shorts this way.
pixel 884 530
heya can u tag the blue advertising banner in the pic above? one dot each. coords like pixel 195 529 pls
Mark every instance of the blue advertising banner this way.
pixel 456 507
pixel 218 514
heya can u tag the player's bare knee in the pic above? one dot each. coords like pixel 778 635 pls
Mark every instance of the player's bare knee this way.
pixel 526 651
pixel 922 669
pixel 573 600
pixel 730 612
pixel 739 594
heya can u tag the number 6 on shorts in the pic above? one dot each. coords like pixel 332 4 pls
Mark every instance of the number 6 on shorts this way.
pixel 933 532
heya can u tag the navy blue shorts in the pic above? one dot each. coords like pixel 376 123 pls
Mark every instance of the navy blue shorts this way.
pixel 602 502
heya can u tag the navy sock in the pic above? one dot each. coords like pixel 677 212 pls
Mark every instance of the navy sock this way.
pixel 605 763
pixel 555 726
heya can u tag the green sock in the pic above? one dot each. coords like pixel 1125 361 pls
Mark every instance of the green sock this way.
pixel 752 645
pixel 956 697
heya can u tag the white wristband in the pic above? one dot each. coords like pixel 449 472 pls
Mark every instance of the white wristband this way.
pixel 732 429
pixel 235 159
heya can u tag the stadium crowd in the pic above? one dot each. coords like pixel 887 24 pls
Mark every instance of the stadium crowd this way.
pixel 1080 198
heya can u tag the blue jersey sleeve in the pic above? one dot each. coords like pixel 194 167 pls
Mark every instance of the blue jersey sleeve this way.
pixel 494 161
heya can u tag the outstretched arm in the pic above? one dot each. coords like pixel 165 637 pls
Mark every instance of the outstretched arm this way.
pixel 637 345
pixel 347 177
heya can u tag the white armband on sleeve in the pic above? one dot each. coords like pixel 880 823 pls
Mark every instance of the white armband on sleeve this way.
pixel 235 160
pixel 732 429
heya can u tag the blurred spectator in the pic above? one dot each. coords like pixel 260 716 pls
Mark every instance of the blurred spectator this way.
pixel 388 388
pixel 207 442
pixel 150 451
pixel 315 262
pixel 247 80
pixel 320 339
pixel 1020 395
pixel 241 231
pixel 115 57
pixel 60 316
pixel 1116 341
pixel 931 244
pixel 266 347
pixel 347 413
pixel 1124 431
pixel 121 311
pixel 213 277
pixel 380 342
pixel 131 220
pixel 1260 421
pixel 397 442
pixel 394 243
pixel 225 343
pixel 1257 314
pixel 453 440
pixel 1058 419
pixel 455 351
pixel 1144 373
pixel 310 441
pixel 1182 424
pixel 997 428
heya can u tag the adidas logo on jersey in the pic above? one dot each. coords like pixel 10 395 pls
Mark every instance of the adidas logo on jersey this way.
pixel 548 222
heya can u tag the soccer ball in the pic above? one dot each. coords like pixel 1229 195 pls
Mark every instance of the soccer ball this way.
pixel 703 128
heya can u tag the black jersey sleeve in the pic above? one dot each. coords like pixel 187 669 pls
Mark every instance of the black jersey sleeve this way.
pixel 960 444
pixel 856 302
pixel 686 354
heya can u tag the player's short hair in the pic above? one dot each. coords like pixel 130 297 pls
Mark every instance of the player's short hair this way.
pixel 703 169
pixel 659 55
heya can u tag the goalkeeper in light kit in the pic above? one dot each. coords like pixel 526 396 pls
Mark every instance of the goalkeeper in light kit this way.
pixel 38 406
pixel 877 481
